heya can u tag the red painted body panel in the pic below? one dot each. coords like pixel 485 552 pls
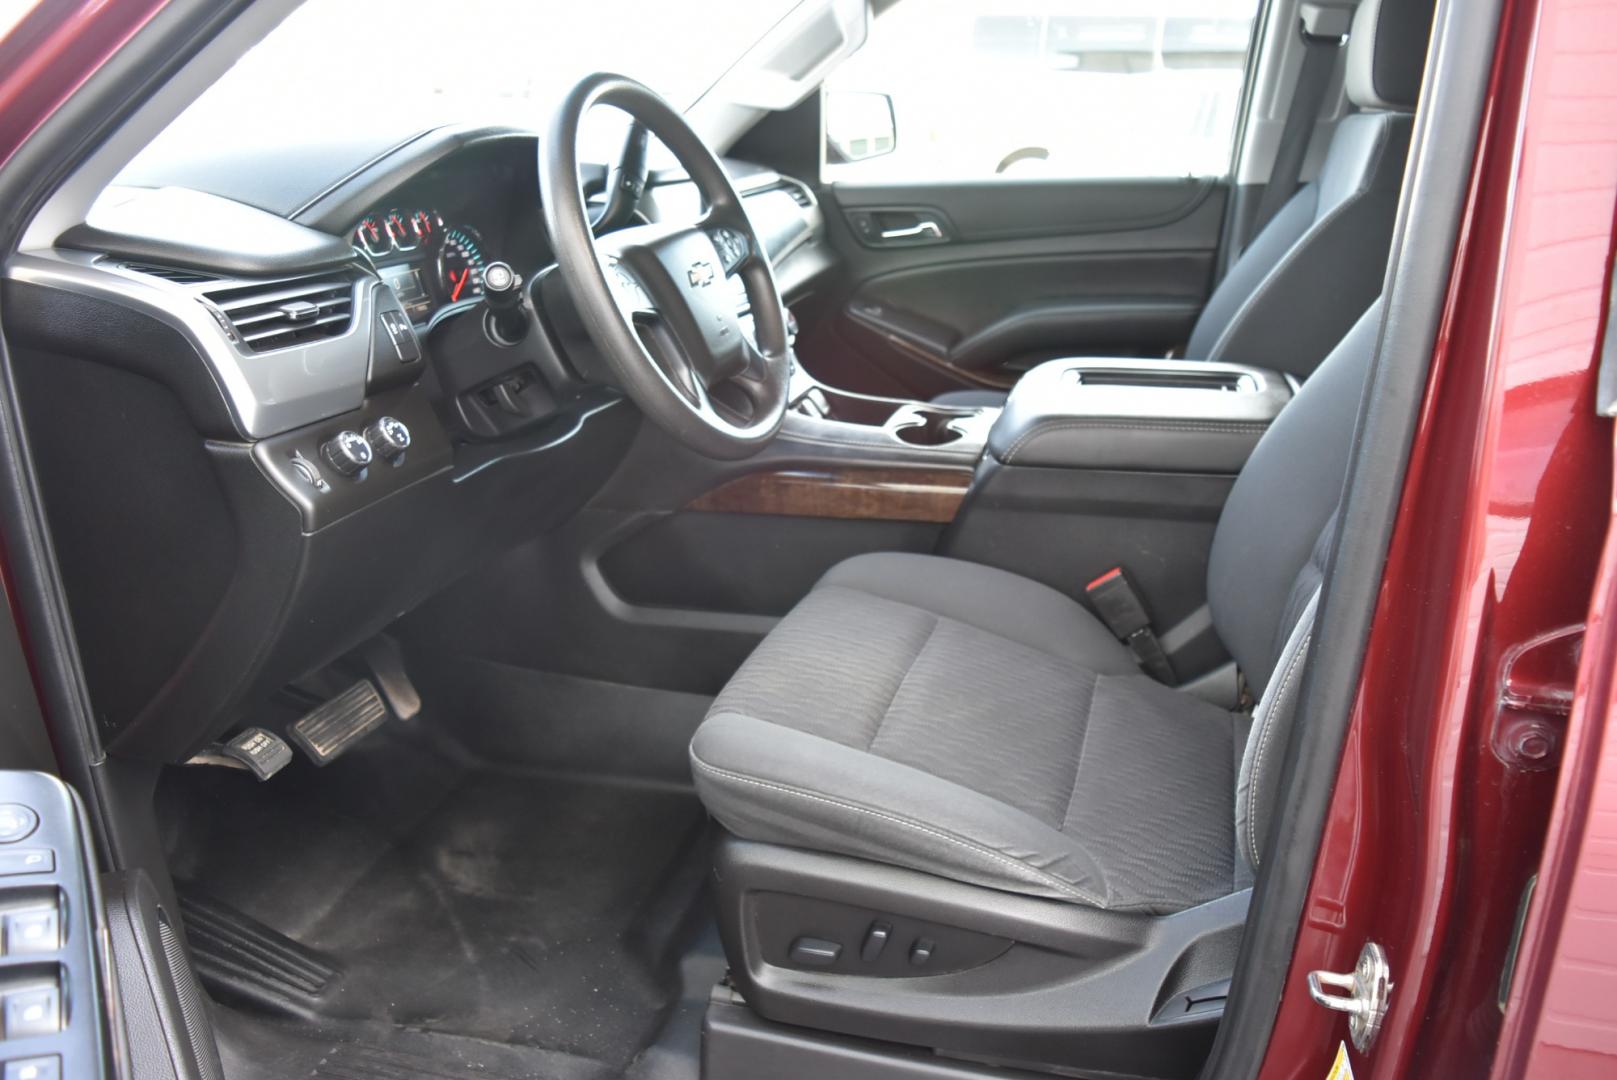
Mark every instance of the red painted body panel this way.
pixel 1562 1017
pixel 1432 836
pixel 50 53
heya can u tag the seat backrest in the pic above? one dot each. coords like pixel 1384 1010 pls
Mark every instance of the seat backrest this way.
pixel 1268 563
pixel 1269 548
pixel 1320 261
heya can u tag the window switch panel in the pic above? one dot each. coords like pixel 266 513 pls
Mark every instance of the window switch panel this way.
pixel 35 929
pixel 32 1011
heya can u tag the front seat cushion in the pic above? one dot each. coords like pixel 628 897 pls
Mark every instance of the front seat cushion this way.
pixel 970 723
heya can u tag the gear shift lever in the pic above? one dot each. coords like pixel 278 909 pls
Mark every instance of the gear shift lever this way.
pixel 502 292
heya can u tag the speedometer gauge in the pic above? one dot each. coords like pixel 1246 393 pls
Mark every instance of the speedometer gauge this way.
pixel 460 264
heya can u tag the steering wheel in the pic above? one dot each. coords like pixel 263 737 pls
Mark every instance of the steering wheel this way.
pixel 658 300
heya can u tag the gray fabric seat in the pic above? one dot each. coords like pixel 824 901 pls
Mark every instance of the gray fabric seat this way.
pixel 1319 262
pixel 1008 718
pixel 960 720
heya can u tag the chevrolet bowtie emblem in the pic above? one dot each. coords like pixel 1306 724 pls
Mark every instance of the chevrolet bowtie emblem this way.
pixel 700 273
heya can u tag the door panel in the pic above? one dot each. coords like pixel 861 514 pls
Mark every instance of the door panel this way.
pixel 967 284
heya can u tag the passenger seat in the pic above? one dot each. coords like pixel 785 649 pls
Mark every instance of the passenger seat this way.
pixel 1319 263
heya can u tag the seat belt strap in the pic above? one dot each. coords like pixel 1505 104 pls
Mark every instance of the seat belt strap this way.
pixel 1121 609
pixel 1323 30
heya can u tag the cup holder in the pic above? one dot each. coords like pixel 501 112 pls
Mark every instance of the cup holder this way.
pixel 923 427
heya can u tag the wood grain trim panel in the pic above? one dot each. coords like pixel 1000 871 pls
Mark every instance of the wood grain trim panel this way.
pixel 870 492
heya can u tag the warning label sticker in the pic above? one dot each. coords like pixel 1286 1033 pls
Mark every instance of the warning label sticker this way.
pixel 1341 1068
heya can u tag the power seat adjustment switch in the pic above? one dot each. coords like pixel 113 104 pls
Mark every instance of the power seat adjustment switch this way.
pixel 815 952
pixel 875 941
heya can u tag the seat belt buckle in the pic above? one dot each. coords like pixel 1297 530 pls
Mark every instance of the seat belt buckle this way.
pixel 1119 606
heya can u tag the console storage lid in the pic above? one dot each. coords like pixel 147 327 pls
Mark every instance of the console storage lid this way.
pixel 1147 415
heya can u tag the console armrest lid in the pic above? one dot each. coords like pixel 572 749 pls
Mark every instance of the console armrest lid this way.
pixel 1130 414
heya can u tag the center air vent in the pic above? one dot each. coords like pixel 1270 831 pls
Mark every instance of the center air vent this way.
pixel 279 314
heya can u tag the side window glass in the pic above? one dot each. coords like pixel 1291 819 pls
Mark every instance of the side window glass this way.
pixel 976 89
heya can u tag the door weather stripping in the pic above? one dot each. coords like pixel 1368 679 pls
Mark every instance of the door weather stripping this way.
pixel 1368 987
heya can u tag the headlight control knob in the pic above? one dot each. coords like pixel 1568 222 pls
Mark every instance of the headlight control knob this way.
pixel 347 452
pixel 388 437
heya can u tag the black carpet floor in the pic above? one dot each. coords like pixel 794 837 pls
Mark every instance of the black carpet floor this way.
pixel 488 921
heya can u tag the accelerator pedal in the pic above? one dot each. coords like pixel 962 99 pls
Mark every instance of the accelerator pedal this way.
pixel 327 732
pixel 241 959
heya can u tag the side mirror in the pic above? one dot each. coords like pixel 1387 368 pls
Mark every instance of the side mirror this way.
pixel 858 125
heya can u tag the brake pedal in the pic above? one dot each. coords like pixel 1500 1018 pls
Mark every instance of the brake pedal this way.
pixel 385 660
pixel 327 732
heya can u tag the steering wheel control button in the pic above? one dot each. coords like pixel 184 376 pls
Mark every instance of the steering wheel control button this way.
pixel 875 941
pixel 348 453
pixel 815 952
pixel 27 860
pixel 17 822
pixel 389 437
pixel 731 245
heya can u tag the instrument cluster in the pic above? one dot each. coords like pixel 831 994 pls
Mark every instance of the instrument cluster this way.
pixel 429 264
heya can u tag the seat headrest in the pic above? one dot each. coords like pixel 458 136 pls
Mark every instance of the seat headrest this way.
pixel 1387 53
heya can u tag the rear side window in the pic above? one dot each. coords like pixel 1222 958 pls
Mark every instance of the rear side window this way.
pixel 977 89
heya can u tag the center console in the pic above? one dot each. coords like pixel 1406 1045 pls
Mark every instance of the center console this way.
pixel 1145 415
pixel 1102 463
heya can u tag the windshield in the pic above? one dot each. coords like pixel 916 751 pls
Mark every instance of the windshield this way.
pixel 337 64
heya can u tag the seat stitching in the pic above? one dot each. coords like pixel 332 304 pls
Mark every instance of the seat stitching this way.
pixel 899 689
pixel 1211 427
pixel 1083 744
pixel 1065 658
pixel 1263 745
pixel 1018 864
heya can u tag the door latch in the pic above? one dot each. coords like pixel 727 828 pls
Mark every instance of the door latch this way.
pixel 1368 987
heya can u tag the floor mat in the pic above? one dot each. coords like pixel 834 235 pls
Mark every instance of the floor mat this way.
pixel 260 1048
pixel 516 910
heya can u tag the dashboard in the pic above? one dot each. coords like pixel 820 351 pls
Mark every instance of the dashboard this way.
pixel 428 228
pixel 309 395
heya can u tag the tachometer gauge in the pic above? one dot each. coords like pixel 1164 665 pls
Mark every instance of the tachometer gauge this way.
pixel 460 264
pixel 372 235
pixel 398 227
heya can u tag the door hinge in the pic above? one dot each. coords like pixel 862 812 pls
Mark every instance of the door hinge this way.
pixel 1368 986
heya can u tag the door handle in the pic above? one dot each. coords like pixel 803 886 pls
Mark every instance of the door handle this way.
pixel 900 226
pixel 922 230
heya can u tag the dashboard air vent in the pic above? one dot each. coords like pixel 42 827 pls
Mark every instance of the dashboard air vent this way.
pixel 279 314
pixel 171 273
pixel 800 194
